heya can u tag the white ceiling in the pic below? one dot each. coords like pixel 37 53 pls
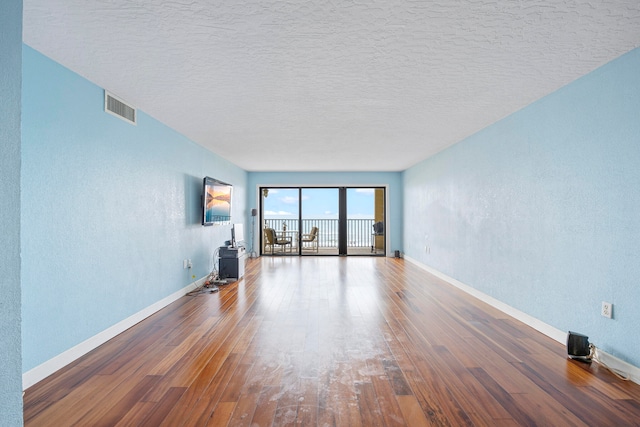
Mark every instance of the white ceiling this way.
pixel 330 85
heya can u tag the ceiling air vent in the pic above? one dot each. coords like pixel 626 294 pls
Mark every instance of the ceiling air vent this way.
pixel 119 108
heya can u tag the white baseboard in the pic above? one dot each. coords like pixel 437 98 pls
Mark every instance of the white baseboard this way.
pixel 620 366
pixel 47 368
pixel 633 372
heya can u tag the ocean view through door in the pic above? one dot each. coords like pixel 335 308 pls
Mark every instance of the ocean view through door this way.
pixel 320 213
pixel 365 208
pixel 323 221
pixel 279 214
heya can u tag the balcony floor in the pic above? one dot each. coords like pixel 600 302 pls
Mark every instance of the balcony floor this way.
pixel 328 251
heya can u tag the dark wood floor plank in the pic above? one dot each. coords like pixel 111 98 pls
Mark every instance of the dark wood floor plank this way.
pixel 266 407
pixel 110 415
pixel 591 410
pixel 370 411
pixel 58 386
pixel 71 407
pixel 213 393
pixel 244 410
pixel 214 347
pixel 231 392
pixel 204 401
pixel 411 411
pixel 287 409
pixel 506 399
pixel 437 404
pixel 308 403
pixel 137 414
pixel 163 407
pixel 175 352
pixel 434 360
pixel 331 341
pixel 221 416
pixel 386 398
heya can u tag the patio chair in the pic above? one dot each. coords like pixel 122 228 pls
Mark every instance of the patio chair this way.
pixel 271 239
pixel 311 239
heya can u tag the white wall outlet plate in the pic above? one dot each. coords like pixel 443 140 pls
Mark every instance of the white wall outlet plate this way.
pixel 607 309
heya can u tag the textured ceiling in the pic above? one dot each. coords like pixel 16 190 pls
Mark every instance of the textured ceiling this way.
pixel 330 85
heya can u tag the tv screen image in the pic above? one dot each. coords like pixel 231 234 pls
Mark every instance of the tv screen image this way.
pixel 216 201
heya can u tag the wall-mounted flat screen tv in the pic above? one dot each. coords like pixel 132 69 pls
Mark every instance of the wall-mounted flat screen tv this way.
pixel 216 202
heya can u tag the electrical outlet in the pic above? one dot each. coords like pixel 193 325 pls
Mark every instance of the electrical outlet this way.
pixel 189 264
pixel 607 309
pixel 185 263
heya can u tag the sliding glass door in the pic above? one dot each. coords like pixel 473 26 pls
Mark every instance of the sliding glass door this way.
pixel 323 221
pixel 365 214
pixel 319 221
pixel 280 214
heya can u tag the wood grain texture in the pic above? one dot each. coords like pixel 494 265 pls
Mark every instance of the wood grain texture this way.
pixel 328 341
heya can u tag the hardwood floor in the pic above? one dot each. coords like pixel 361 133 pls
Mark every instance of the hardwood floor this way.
pixel 330 341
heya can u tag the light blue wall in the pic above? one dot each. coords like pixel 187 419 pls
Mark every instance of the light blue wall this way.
pixel 541 210
pixel 10 86
pixel 392 179
pixel 109 211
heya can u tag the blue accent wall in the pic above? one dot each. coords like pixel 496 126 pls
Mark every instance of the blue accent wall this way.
pixel 541 210
pixel 109 211
pixel 300 179
pixel 10 87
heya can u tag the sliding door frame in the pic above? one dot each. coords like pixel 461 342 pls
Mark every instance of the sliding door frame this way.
pixel 258 235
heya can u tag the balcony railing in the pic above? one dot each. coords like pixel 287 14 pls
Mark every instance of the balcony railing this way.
pixel 358 230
